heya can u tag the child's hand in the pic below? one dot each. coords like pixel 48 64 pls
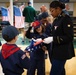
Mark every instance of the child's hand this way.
pixel 28 54
pixel 38 41
pixel 44 48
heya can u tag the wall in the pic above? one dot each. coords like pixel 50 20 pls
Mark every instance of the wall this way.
pixel 71 6
pixel 38 5
pixel 74 12
pixel 2 4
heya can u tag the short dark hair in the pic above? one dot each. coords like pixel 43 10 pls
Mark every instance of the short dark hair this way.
pixel 29 3
pixel 44 15
pixel 9 33
pixel 6 38
pixel 56 4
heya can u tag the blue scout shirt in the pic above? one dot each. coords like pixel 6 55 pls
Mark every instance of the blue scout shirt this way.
pixel 13 60
pixel 38 53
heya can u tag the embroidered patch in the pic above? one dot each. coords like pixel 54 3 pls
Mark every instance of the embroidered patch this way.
pixel 23 56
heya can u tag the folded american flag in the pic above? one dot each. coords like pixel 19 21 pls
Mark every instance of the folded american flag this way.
pixel 34 45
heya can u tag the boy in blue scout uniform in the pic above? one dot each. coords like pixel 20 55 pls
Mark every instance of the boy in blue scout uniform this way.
pixel 44 19
pixel 46 23
pixel 48 27
pixel 62 39
pixel 37 60
pixel 12 58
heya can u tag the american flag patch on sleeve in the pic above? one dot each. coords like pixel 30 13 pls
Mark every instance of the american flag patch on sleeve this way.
pixel 23 56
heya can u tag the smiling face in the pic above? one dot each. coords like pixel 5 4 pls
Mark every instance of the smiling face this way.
pixel 39 29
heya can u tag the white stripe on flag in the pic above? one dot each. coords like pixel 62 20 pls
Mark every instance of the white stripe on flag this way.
pixel 19 22
pixel 5 18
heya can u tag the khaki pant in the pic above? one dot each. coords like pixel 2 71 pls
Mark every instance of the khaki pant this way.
pixel 27 25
